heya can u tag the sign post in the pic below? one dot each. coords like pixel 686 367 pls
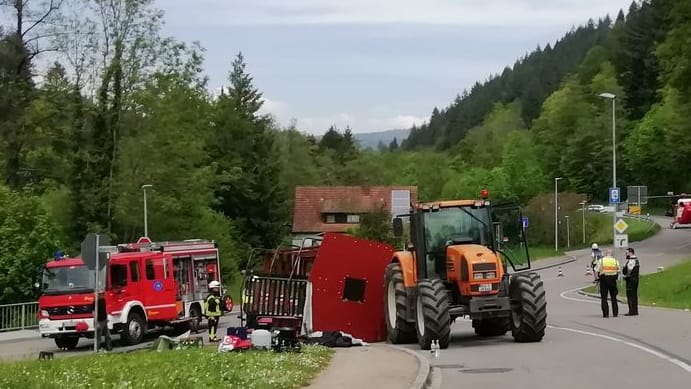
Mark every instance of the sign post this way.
pixel 614 200
pixel 95 259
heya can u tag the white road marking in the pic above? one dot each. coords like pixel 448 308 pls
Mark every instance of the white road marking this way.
pixel 582 300
pixel 683 246
pixel 658 354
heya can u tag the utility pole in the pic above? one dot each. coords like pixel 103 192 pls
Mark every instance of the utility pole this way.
pixel 556 215
pixel 146 223
pixel 613 97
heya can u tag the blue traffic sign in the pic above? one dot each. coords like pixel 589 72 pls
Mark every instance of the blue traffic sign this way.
pixel 525 222
pixel 614 195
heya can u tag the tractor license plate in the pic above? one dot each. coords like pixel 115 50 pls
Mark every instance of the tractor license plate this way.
pixel 485 287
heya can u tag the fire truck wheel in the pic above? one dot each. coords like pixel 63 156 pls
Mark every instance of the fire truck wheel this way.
pixel 529 308
pixel 196 315
pixel 227 303
pixel 133 333
pixel 67 342
pixel 398 329
pixel 432 314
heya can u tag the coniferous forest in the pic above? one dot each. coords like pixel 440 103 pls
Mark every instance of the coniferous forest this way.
pixel 121 105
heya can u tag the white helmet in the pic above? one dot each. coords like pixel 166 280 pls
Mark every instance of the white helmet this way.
pixel 214 284
pixel 594 247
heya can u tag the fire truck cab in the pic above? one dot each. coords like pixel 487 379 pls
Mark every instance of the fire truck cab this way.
pixel 146 284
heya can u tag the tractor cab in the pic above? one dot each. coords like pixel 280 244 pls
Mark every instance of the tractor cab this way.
pixel 441 231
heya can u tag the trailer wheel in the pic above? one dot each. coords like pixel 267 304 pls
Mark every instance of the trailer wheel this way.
pixel 397 328
pixel 528 308
pixel 432 314
pixel 133 333
pixel 491 327
pixel 196 315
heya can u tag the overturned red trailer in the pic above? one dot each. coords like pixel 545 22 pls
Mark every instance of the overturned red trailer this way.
pixel 335 285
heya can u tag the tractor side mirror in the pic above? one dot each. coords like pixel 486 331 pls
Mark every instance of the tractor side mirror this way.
pixel 398 227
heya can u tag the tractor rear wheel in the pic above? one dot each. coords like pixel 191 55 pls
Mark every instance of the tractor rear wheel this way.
pixel 491 327
pixel 529 308
pixel 398 329
pixel 432 313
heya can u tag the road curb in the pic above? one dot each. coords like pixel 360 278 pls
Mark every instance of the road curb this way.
pixel 560 263
pixel 424 372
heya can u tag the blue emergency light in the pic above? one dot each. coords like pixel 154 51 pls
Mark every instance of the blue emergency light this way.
pixel 59 255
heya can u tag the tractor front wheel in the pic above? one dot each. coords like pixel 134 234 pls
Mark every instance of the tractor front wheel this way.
pixel 432 314
pixel 529 308
pixel 397 328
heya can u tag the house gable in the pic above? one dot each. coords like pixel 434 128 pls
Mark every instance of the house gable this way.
pixel 321 209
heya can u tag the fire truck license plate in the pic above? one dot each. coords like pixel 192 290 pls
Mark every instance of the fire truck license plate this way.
pixel 485 287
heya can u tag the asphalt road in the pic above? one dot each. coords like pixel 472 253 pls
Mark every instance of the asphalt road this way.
pixel 581 349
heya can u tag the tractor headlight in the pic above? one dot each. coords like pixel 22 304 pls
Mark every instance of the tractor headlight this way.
pixel 478 276
pixel 491 274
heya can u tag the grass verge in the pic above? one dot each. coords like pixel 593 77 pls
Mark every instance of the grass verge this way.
pixel 670 288
pixel 171 369
pixel 542 252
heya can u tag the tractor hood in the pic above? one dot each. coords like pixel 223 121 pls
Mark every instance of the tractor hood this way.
pixel 464 260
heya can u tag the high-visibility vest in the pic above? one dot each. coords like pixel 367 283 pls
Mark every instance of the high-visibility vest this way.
pixel 609 266
pixel 212 306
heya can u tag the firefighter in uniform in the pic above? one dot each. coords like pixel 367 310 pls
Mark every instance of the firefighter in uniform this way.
pixel 631 273
pixel 607 270
pixel 212 308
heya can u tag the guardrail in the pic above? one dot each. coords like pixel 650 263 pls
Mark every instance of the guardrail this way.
pixel 18 316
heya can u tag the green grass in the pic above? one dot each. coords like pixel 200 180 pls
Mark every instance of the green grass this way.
pixel 542 252
pixel 235 288
pixel 670 288
pixel 203 368
pixel 639 229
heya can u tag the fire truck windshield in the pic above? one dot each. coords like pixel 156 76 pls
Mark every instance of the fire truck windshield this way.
pixel 67 279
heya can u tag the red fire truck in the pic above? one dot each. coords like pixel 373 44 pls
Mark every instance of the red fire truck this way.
pixel 147 285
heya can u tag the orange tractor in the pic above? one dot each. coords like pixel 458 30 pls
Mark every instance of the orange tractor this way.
pixel 454 265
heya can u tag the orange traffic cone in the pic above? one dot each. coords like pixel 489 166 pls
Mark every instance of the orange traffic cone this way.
pixel 561 273
pixel 588 271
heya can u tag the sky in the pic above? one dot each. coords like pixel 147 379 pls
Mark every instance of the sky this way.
pixel 372 65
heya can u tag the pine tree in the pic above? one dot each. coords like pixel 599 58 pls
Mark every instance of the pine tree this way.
pixel 249 188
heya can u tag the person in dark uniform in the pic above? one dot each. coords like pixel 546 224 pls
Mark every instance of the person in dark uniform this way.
pixel 607 269
pixel 631 272
pixel 103 324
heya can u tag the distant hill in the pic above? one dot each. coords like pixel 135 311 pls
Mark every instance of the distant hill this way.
pixel 372 139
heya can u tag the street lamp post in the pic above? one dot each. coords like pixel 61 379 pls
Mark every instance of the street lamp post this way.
pixel 568 235
pixel 583 203
pixel 146 223
pixel 556 215
pixel 614 163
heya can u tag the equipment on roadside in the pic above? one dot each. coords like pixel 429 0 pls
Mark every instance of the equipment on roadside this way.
pixel 454 265
pixel 560 273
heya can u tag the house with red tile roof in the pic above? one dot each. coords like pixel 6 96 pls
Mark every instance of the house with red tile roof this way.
pixel 320 209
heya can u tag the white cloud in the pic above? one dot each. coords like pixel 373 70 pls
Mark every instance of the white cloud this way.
pixel 395 122
pixel 469 12
pixel 275 107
